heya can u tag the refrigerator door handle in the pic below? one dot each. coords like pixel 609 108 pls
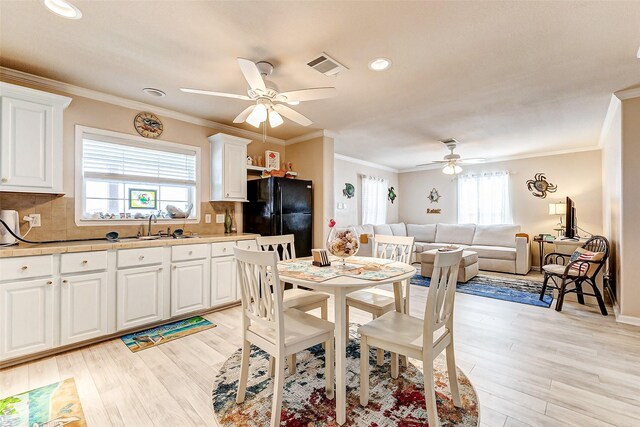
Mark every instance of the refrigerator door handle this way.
pixel 281 223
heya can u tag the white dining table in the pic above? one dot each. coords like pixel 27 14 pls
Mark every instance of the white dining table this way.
pixel 341 286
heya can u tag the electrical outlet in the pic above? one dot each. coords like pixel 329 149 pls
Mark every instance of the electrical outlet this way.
pixel 220 219
pixel 207 219
pixel 36 220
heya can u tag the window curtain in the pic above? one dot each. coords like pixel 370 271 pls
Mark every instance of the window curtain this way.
pixel 483 198
pixel 374 200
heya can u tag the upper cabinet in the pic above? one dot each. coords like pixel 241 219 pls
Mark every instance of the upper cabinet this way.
pixel 228 168
pixel 30 139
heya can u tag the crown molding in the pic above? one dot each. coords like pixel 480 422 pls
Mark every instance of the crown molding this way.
pixel 628 93
pixel 312 135
pixel 50 84
pixel 509 158
pixel 364 163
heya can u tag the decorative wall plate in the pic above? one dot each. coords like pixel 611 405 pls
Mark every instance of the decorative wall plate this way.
pixel 434 196
pixel 392 194
pixel 349 190
pixel 539 186
pixel 148 125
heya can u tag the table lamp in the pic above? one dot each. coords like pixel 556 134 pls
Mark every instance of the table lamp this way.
pixel 558 209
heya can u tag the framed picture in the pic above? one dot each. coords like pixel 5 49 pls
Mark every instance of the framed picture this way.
pixel 272 159
pixel 143 199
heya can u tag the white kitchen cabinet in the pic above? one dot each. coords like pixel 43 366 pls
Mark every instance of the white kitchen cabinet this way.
pixel 190 286
pixel 228 167
pixel 31 139
pixel 139 296
pixel 83 307
pixel 224 286
pixel 27 317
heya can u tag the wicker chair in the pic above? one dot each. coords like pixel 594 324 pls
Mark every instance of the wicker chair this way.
pixel 564 272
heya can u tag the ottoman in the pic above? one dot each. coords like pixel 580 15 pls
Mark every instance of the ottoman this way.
pixel 468 265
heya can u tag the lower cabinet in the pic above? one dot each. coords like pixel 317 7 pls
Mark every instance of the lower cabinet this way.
pixel 83 307
pixel 190 287
pixel 224 287
pixel 139 296
pixel 27 316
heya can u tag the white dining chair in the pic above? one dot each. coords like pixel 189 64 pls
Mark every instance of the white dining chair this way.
pixel 269 325
pixel 422 339
pixel 379 301
pixel 300 299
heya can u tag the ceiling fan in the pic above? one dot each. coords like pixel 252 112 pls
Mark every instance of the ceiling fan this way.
pixel 451 161
pixel 269 103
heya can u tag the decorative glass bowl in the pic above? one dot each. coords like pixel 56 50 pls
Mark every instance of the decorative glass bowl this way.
pixel 343 243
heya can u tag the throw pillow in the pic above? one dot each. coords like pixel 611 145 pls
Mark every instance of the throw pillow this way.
pixel 581 254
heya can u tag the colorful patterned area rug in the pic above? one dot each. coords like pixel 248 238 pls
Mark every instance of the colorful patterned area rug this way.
pixel 165 333
pixel 392 402
pixel 522 291
pixel 55 404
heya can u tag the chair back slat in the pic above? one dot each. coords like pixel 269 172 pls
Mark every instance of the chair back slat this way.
pixel 283 245
pixel 396 248
pixel 598 244
pixel 258 276
pixel 441 297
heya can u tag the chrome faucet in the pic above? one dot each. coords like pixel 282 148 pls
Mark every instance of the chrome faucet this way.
pixel 155 221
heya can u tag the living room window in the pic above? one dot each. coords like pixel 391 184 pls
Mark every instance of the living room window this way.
pixel 126 178
pixel 483 198
pixel 374 200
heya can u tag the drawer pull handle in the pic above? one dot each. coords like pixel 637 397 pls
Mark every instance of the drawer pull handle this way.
pixel 190 252
pixel 49 282
pixel 175 267
pixel 85 262
pixel 224 249
pixel 24 267
pixel 4 180
pixel 141 257
pixel 65 281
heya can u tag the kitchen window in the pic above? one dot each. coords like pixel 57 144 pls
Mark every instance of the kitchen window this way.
pixel 125 178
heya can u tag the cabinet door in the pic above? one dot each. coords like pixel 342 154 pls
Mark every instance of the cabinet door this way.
pixel 235 171
pixel 139 297
pixel 224 287
pixel 190 287
pixel 83 307
pixel 26 151
pixel 27 317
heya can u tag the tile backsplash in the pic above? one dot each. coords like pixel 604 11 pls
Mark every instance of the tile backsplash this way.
pixel 58 223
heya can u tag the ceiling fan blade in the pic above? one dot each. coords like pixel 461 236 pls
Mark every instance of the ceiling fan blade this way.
pixel 210 93
pixel 472 161
pixel 252 74
pixel 292 114
pixel 308 94
pixel 242 117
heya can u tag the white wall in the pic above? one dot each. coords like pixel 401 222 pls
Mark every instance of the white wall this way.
pixel 346 171
pixel 577 175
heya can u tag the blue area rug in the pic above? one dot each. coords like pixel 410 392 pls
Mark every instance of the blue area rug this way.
pixel 522 291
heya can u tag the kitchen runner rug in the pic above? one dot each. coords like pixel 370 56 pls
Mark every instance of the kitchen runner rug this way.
pixel 55 404
pixel 522 291
pixel 165 333
pixel 392 402
pixel 360 267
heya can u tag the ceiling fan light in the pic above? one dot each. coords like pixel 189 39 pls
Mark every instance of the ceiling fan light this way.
pixel 63 8
pixel 258 115
pixel 451 169
pixel 275 119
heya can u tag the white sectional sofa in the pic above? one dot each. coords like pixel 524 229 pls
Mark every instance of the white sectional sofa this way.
pixel 497 246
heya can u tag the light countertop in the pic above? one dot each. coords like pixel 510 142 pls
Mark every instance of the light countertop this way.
pixel 25 249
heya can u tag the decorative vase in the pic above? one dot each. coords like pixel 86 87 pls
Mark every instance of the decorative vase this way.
pixel 234 228
pixel 227 222
pixel 342 243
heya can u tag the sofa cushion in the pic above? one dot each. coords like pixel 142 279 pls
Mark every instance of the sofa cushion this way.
pixel 468 257
pixel 424 246
pixel 422 233
pixel 455 233
pixel 494 252
pixel 496 235
pixel 399 229
pixel 383 229
pixel 363 229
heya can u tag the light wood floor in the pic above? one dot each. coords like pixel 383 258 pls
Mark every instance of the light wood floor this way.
pixel 531 366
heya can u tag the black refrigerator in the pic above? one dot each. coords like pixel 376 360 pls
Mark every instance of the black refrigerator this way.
pixel 278 206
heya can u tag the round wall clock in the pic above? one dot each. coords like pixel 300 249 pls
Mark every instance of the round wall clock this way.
pixel 148 125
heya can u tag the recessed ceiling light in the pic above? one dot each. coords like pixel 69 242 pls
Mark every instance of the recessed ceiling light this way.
pixel 154 92
pixel 379 64
pixel 63 8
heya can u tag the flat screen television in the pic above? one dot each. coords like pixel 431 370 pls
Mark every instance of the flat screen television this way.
pixel 570 230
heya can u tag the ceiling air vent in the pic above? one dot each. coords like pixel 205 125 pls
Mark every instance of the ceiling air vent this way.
pixel 326 65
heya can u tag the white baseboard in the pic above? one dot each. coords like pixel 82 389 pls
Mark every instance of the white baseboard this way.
pixel 620 318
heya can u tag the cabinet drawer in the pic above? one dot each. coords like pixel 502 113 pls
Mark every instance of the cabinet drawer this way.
pixel 83 261
pixel 247 244
pixel 139 257
pixel 222 249
pixel 189 252
pixel 26 267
